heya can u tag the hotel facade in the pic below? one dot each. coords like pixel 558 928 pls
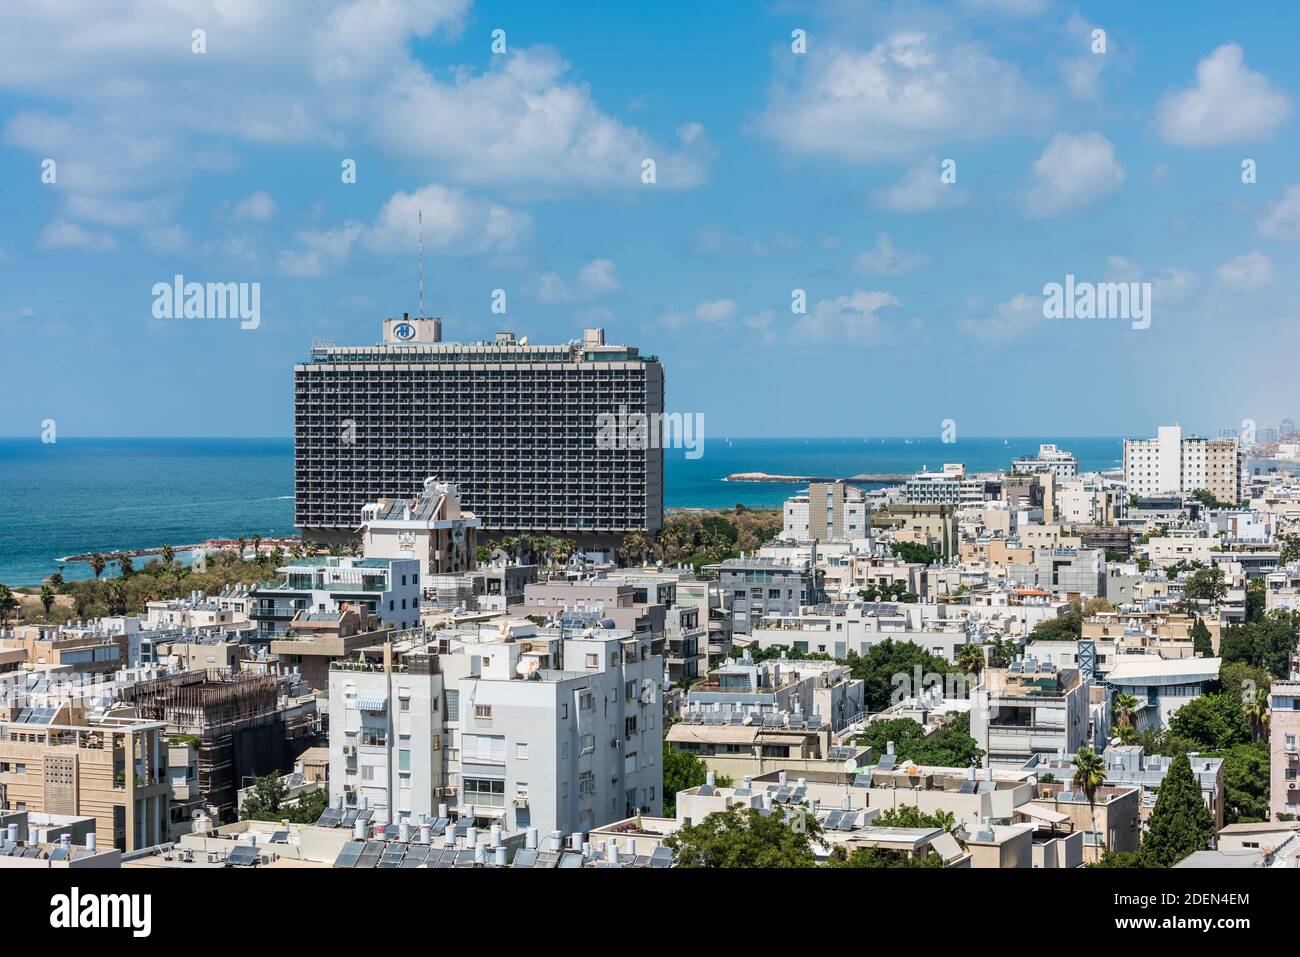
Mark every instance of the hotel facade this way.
pixel 513 425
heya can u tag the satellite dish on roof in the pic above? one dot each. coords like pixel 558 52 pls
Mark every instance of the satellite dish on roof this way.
pixel 607 623
pixel 526 668
pixel 851 766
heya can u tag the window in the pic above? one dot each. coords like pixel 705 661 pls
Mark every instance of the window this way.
pixel 367 773
pixel 483 712
pixel 593 661
pixel 585 701
pixel 586 783
pixel 404 760
pixel 490 748
pixel 588 743
pixel 490 792
pixel 403 704
pixel 521 751
pixel 453 705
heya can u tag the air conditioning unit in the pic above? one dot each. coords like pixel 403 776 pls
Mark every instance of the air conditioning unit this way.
pixel 349 750
pixel 616 743
pixel 521 801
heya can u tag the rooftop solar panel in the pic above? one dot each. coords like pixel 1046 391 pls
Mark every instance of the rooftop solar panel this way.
pixel 525 858
pixel 415 857
pixel 570 860
pixel 348 854
pixel 280 837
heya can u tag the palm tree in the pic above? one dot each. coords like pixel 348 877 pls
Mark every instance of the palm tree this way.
pixel 124 564
pixel 336 550
pixel 117 597
pixel 1256 708
pixel 8 604
pixel 96 563
pixel 510 545
pixel 354 547
pixel 1125 707
pixel 47 597
pixel 296 550
pixel 257 545
pixel 634 548
pixel 563 550
pixel 241 543
pixel 168 555
pixel 1089 775
pixel 970 658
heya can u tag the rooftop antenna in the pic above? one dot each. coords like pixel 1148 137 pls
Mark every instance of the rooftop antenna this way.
pixel 420 211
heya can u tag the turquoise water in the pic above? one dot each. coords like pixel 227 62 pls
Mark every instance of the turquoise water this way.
pixel 83 495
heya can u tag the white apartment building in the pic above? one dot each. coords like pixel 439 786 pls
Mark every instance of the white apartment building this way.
pixel 431 528
pixel 509 725
pixel 1174 463
pixel 952 486
pixel 1049 461
pixel 827 512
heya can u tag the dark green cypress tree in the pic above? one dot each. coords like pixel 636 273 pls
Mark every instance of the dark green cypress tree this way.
pixel 1180 823
pixel 1201 639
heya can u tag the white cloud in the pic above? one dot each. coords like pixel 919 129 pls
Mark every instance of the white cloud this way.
pixel 258 207
pixel 321 250
pixel 1248 271
pixel 885 260
pixel 1283 218
pixel 710 312
pixel 62 234
pixel 454 222
pixel 853 318
pixel 920 191
pixel 523 123
pixel 1008 320
pixel 716 310
pixel 594 279
pixel 1073 173
pixel 166 239
pixel 1011 8
pixel 908 94
pixel 1229 103
pixel 1167 283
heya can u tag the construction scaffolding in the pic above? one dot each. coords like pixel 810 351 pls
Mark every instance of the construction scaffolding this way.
pixel 236 717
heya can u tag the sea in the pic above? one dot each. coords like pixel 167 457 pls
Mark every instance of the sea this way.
pixel 81 495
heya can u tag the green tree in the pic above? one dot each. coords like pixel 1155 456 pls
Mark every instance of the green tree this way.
pixel 1089 776
pixel 1206 584
pixel 875 857
pixel 683 770
pixel 47 597
pixel 269 801
pixel 746 837
pixel 168 555
pixel 1213 721
pixel 125 565
pixel 1180 823
pixel 1067 627
pixel 1125 707
pixel 1122 859
pixel 1201 642
pixel 914 552
pixel 634 548
pixel 1245 783
pixel 890 667
pixel 8 605
pixel 96 563
pixel 970 658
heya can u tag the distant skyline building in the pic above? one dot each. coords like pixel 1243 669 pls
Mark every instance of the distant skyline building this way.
pixel 1174 463
pixel 1050 460
pixel 513 425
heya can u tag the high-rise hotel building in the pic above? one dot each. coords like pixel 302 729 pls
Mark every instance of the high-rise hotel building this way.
pixel 514 425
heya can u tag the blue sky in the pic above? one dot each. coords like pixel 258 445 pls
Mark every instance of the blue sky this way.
pixel 776 171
